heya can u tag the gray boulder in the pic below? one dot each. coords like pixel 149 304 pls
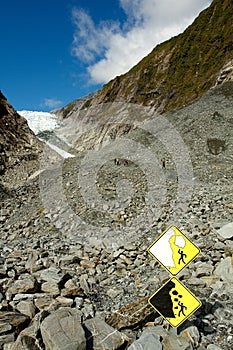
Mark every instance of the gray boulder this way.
pixel 226 232
pixel 101 336
pixel 27 340
pixel 149 340
pixel 224 269
pixel 177 342
pixel 62 330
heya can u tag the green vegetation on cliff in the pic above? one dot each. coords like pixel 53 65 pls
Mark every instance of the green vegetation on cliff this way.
pixel 182 68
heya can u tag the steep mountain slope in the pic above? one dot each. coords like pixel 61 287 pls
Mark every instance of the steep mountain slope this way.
pixel 180 69
pixel 17 142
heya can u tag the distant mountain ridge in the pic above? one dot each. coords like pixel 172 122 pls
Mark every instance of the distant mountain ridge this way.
pixel 178 70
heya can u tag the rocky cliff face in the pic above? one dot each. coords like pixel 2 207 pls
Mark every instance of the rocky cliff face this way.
pixel 180 69
pixel 183 68
pixel 74 106
pixel 17 142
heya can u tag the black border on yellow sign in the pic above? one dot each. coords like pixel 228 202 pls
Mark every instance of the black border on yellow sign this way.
pixel 148 249
pixel 191 313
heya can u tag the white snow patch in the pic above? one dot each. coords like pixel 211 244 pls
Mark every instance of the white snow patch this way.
pixel 40 121
pixel 44 121
pixel 60 151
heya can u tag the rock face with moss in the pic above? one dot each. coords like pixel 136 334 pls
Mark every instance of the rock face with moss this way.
pixel 74 106
pixel 183 68
pixel 180 69
pixel 17 141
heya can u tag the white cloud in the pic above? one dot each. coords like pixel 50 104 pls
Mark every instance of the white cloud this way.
pixel 91 41
pixel 110 48
pixel 52 102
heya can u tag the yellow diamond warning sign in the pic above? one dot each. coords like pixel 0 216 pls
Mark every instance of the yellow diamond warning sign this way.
pixel 173 250
pixel 174 302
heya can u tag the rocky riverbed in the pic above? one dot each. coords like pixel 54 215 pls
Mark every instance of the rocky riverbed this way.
pixel 62 292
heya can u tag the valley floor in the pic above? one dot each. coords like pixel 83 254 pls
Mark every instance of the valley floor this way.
pixel 99 264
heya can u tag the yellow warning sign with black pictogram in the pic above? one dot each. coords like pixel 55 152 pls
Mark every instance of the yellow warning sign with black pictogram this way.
pixel 174 302
pixel 173 250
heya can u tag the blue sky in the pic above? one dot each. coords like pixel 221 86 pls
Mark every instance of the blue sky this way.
pixel 54 51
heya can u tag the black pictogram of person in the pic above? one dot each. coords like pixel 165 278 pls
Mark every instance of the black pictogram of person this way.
pixel 182 256
pixel 182 308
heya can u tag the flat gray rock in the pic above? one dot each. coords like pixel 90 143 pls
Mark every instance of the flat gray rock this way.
pixel 213 347
pixel 101 336
pixel 27 340
pixel 224 269
pixel 177 342
pixel 24 285
pixel 62 331
pixel 52 275
pixel 226 232
pixel 149 340
pixel 192 333
pixel 26 308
